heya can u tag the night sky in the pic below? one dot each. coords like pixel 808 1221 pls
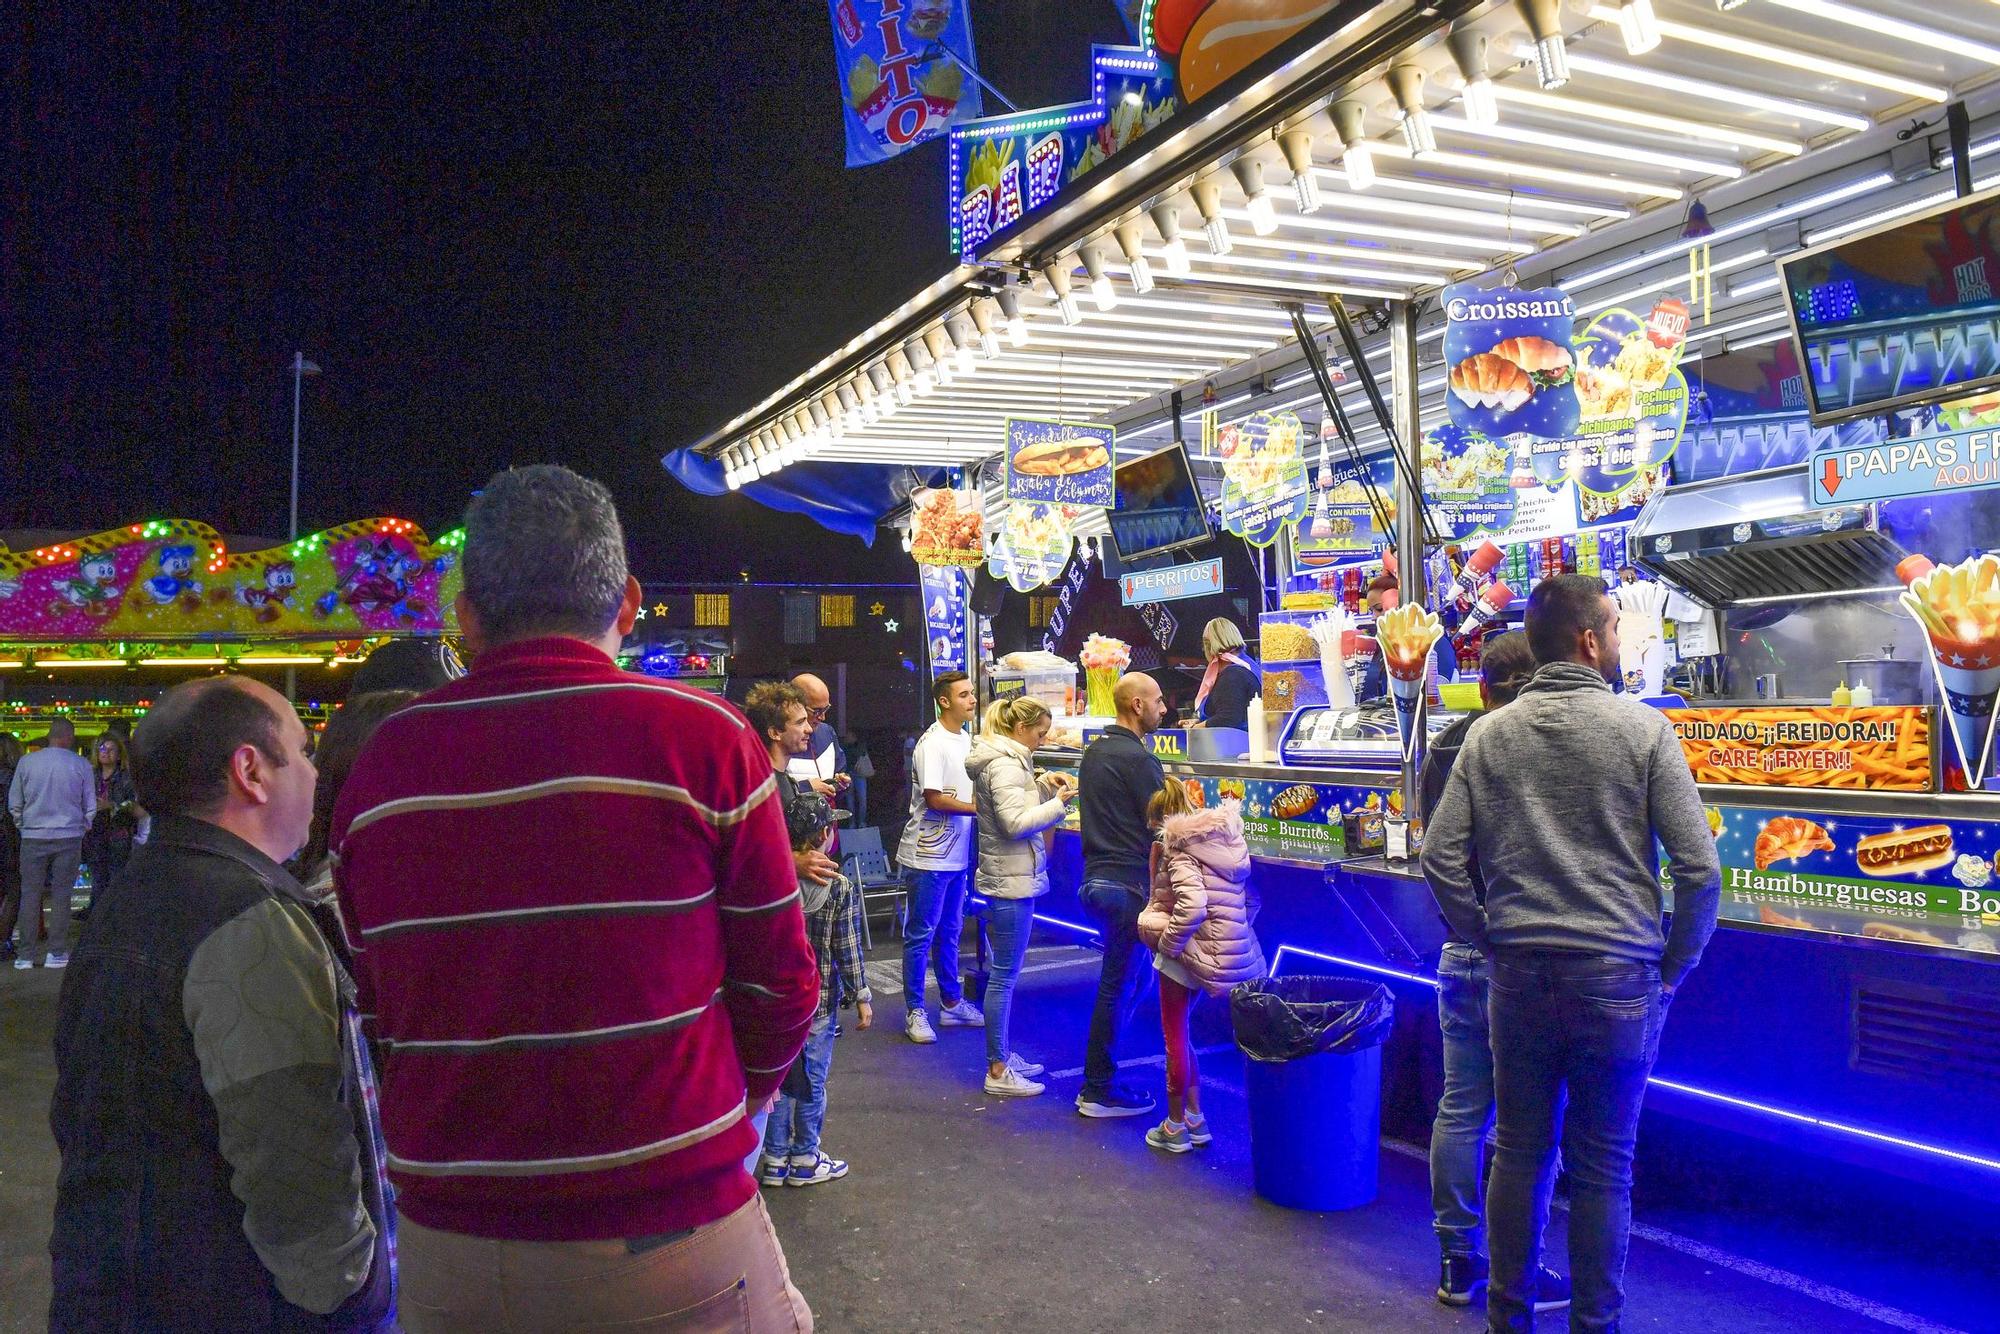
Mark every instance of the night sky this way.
pixel 584 240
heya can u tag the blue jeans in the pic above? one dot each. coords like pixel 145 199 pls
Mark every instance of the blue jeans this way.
pixel 1465 1108
pixel 1121 985
pixel 1009 923
pixel 795 1122
pixel 936 914
pixel 1574 1040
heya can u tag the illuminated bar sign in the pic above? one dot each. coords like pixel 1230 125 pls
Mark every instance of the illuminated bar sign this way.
pixel 1884 748
pixel 1916 465
pixel 1201 579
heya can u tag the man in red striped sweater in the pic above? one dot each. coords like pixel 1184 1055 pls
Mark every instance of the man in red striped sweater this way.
pixel 574 915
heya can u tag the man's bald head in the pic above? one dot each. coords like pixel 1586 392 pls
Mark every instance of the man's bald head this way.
pixel 1139 703
pixel 181 753
pixel 813 690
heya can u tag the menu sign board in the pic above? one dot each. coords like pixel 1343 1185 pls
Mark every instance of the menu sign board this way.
pixel 1884 748
pixel 1067 463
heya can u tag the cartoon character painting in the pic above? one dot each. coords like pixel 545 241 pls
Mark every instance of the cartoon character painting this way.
pixel 273 597
pixel 380 583
pixel 173 584
pixel 93 590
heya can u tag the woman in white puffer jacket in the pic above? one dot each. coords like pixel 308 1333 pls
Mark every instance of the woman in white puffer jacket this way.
pixel 1015 809
pixel 1198 925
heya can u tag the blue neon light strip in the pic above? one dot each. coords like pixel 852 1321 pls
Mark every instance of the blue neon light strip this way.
pixel 1692 1090
pixel 977 901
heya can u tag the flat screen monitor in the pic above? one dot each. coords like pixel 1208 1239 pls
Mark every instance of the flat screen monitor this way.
pixel 1159 505
pixel 1903 314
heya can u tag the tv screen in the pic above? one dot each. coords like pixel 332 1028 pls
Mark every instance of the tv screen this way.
pixel 1159 505
pixel 1900 315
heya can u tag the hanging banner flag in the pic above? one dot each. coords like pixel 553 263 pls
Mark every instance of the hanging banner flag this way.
pixel 947 527
pixel 1034 544
pixel 900 75
pixel 1066 463
pixel 1263 475
pixel 944 593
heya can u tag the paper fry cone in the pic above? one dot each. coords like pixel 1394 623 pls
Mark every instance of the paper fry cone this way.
pixel 1958 607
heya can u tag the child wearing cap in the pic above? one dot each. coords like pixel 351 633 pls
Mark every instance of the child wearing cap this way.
pixel 792 1154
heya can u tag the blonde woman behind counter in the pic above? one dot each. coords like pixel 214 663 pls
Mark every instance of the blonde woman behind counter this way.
pixel 1232 678
pixel 1015 808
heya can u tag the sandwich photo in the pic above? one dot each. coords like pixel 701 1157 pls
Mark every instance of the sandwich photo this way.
pixel 1926 847
pixel 1061 458
pixel 1505 376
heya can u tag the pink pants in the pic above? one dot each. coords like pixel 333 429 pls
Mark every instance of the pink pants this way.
pixel 1183 1079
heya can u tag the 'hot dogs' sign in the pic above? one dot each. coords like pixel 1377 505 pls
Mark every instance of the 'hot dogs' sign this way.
pixel 1885 748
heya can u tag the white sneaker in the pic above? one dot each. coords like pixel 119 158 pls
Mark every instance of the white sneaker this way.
pixel 24 963
pixel 1011 1083
pixel 56 961
pixel 917 1028
pixel 1025 1068
pixel 962 1015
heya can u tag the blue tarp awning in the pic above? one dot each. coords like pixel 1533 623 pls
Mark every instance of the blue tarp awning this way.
pixel 843 497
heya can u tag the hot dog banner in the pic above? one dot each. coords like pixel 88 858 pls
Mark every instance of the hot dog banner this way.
pixel 900 77
pixel 1604 408
pixel 1061 463
pixel 1264 485
pixel 170 579
pixel 1931 882
pixel 1883 748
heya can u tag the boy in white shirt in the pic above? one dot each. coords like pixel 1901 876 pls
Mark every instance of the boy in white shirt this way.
pixel 936 857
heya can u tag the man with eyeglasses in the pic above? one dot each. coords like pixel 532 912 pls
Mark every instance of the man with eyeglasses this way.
pixel 824 764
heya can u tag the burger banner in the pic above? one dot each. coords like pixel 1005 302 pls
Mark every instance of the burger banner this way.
pixel 1264 484
pixel 900 76
pixel 1061 463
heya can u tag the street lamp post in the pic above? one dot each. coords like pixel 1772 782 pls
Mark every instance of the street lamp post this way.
pixel 301 368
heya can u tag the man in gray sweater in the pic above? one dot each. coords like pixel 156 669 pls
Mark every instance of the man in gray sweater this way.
pixel 1557 800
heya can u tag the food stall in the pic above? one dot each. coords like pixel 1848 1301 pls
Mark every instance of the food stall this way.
pixel 1483 293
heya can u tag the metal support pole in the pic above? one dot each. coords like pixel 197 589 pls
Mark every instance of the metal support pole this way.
pixel 1410 504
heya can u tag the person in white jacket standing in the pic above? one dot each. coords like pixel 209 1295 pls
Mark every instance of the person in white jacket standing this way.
pixel 1015 808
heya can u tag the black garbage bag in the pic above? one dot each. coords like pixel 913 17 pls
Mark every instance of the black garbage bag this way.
pixel 1286 1018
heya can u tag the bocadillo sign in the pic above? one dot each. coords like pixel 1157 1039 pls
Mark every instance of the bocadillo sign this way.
pixel 1061 463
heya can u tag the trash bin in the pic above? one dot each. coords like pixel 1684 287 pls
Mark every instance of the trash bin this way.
pixel 1314 1084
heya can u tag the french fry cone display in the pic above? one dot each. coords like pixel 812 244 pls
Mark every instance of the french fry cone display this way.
pixel 1407 634
pixel 1958 607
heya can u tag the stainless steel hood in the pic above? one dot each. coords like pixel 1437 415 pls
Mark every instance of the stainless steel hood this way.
pixel 1758 538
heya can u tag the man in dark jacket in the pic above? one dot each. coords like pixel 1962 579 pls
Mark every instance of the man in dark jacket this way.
pixel 1119 775
pixel 1559 800
pixel 221 1166
pixel 1465 1105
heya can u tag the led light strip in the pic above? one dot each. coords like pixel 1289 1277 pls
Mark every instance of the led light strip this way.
pixel 1762 218
pixel 1564 104
pixel 1122 316
pixel 1484 245
pixel 1501 198
pixel 1134 341
pixel 1691 1090
pixel 1788 58
pixel 1570 143
pixel 1876 23
pixel 1516 223
pixel 1302 289
pixel 1651 76
pixel 1528 171
pixel 1313 271
pixel 1672 280
pixel 1438 263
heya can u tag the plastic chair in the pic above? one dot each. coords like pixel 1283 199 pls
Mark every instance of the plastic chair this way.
pixel 865 863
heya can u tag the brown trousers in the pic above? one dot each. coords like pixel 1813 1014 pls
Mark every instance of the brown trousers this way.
pixel 729 1276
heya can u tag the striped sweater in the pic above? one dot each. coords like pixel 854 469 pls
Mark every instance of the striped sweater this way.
pixel 574 915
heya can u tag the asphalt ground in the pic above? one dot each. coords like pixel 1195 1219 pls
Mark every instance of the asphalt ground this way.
pixel 964 1212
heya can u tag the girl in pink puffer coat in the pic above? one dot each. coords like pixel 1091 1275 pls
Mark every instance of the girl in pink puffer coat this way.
pixel 1197 923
